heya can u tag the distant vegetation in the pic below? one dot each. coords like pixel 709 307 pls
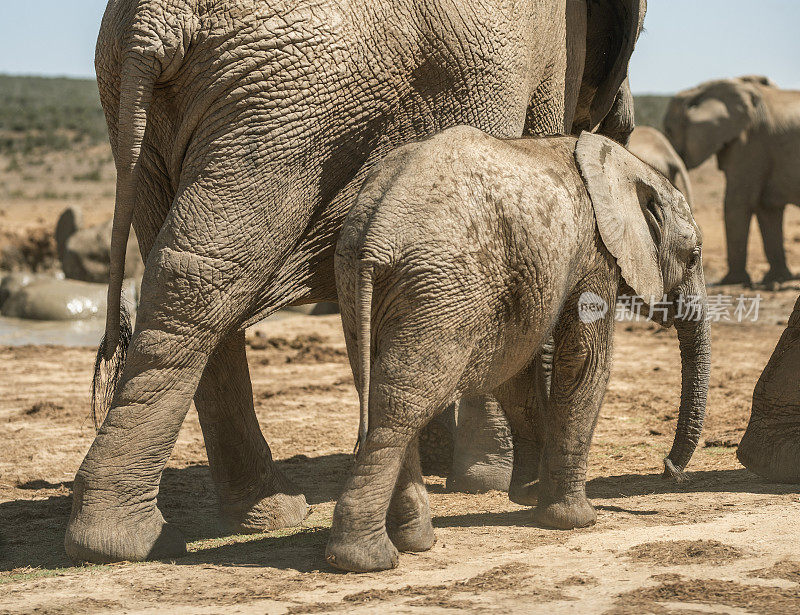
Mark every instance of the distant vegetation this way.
pixel 39 113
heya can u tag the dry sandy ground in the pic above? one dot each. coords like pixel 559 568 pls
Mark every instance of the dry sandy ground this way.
pixel 724 542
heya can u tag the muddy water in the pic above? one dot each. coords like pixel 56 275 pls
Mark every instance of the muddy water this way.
pixel 19 332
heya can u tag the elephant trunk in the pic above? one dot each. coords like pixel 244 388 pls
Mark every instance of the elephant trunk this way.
pixel 770 446
pixel 694 337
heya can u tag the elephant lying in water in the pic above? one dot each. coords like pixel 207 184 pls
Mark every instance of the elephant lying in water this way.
pixel 462 255
pixel 754 129
pixel 84 252
pixel 45 297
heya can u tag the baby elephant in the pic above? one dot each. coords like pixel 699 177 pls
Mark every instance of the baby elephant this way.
pixel 462 255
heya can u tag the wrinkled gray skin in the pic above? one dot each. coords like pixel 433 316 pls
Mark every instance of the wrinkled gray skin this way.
pixel 650 145
pixel 754 129
pixel 44 297
pixel 241 132
pixel 770 446
pixel 85 255
pixel 462 255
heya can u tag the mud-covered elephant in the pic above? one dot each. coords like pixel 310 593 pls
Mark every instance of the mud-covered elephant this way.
pixel 460 257
pixel 45 297
pixel 84 250
pixel 241 133
pixel 649 144
pixel 754 129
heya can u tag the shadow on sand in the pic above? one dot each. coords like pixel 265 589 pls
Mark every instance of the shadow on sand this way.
pixel 32 530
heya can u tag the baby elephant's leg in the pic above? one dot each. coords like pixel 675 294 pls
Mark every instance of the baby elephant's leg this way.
pixel 408 521
pixel 358 539
pixel 581 366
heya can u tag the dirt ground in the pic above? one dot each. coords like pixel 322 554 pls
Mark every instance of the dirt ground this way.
pixel 724 542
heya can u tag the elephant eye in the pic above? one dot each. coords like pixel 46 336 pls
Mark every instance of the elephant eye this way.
pixel 693 259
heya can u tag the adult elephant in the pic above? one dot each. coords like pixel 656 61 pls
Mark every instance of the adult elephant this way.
pixel 650 145
pixel 770 446
pixel 241 132
pixel 754 129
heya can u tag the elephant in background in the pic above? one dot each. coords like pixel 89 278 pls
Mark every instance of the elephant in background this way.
pixel 461 256
pixel 770 446
pixel 241 134
pixel 753 127
pixel 651 146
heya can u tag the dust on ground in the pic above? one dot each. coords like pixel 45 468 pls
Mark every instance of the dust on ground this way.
pixel 724 542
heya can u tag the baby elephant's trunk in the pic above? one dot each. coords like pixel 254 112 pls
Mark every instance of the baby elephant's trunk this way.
pixel 694 337
pixel 364 285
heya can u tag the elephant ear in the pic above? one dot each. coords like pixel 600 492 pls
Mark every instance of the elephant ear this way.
pixel 611 176
pixel 612 27
pixel 718 115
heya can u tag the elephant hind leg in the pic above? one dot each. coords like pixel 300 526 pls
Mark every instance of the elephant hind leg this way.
pixel 770 446
pixel 186 309
pixel 385 486
pixel 408 520
pixel 770 222
pixel 253 494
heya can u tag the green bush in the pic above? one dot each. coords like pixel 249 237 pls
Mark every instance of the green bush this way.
pixel 40 113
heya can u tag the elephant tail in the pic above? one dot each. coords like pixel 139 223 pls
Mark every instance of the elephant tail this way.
pixel 364 285
pixel 136 93
pixel 104 381
pixel 135 96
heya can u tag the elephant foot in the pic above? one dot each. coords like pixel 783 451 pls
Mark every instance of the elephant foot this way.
pixel 524 494
pixel 524 489
pixel 362 553
pixel 776 459
pixel 742 278
pixel 104 536
pixel 274 508
pixel 775 276
pixel 567 513
pixel 408 523
pixel 480 477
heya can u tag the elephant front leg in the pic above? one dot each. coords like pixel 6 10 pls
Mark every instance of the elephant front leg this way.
pixel 408 521
pixel 482 449
pixel 581 366
pixel 253 494
pixel 524 399
pixel 738 212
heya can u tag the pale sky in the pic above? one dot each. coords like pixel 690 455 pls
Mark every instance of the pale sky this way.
pixel 685 42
